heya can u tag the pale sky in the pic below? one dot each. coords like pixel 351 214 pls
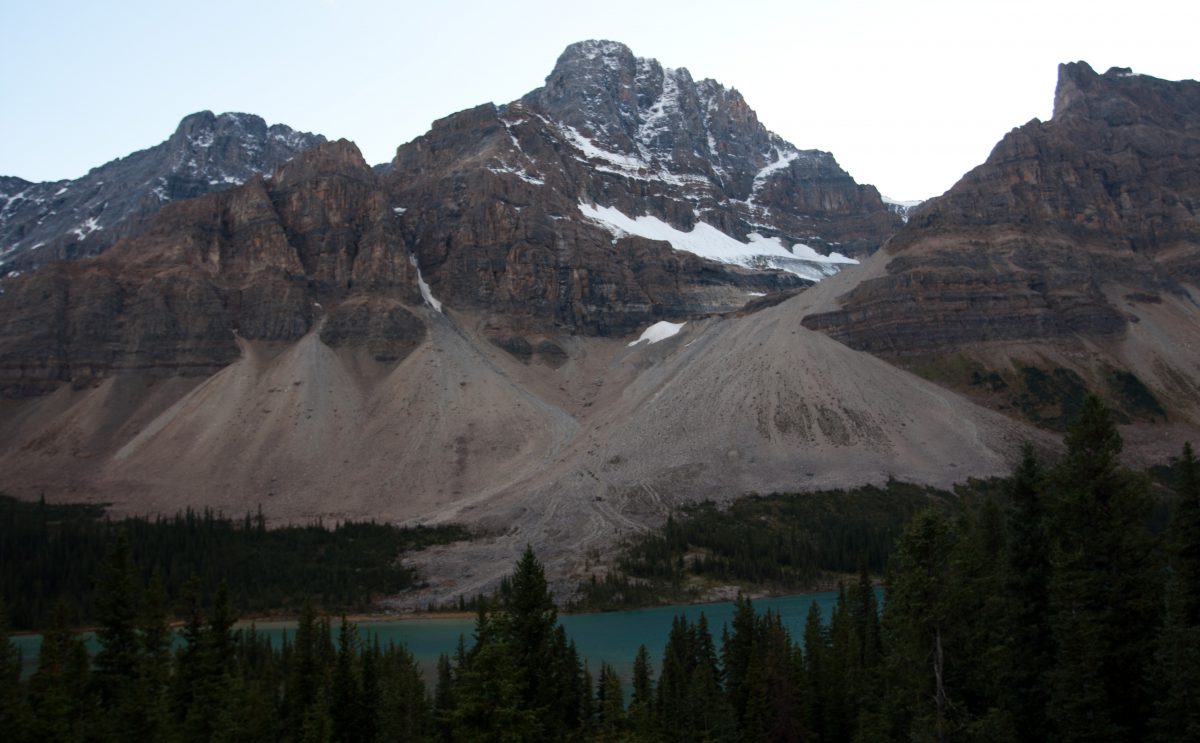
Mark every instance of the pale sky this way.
pixel 907 96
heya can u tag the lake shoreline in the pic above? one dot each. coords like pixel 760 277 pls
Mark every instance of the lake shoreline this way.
pixel 722 595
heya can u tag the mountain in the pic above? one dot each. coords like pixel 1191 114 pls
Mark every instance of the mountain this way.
pixel 511 211
pixel 1068 262
pixel 902 209
pixel 544 209
pixel 42 222
pixel 455 337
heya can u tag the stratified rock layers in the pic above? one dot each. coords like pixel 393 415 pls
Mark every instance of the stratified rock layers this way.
pixel 1105 193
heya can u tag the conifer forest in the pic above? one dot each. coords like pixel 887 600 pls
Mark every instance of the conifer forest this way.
pixel 1058 608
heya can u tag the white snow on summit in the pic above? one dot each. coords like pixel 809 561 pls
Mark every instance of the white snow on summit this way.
pixel 707 241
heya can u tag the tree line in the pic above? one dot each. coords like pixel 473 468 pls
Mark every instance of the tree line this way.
pixel 1049 612
pixel 782 542
pixel 49 554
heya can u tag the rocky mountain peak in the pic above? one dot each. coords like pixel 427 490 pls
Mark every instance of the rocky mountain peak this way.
pixel 1049 239
pixel 630 116
pixel 1120 97
pixel 341 158
pixel 207 152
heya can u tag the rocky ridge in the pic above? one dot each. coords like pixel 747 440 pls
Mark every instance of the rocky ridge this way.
pixel 1074 238
pixel 69 219
pixel 494 211
pixel 262 261
pixel 496 200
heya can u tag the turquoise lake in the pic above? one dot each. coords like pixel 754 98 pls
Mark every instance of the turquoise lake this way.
pixel 611 637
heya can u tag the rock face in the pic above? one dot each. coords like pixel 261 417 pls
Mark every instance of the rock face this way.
pixel 434 340
pixel 491 199
pixel 258 262
pixel 1106 192
pixel 43 222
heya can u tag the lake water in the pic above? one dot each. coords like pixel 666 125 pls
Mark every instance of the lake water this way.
pixel 611 637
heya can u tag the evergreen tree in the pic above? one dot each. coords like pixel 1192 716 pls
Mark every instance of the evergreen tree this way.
pixel 836 682
pixel 372 689
pixel 671 701
pixel 736 652
pixel 814 664
pixel 641 704
pixel 1177 668
pixel 14 713
pixel 347 692
pixel 1030 653
pixel 444 698
pixel 917 618
pixel 862 616
pixel 154 674
pixel 775 711
pixel 58 690
pixel 1104 593
pixel 316 723
pixel 404 711
pixel 489 704
pixel 709 709
pixel 529 630
pixel 119 658
pixel 610 705
pixel 305 681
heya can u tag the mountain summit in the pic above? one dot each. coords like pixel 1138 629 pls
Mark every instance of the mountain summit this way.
pixel 620 193
pixel 1068 262
pixel 42 222
pixel 454 337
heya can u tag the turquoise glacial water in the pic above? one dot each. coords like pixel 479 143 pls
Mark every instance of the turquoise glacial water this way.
pixel 611 637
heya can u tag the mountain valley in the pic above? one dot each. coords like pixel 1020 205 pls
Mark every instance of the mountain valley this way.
pixel 453 337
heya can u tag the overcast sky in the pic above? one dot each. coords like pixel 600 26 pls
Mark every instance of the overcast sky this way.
pixel 907 96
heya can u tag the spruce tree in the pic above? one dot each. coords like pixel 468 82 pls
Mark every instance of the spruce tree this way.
pixel 610 705
pixel 58 690
pixel 1026 587
pixel 444 698
pixel 1104 590
pixel 814 662
pixel 490 704
pixel 671 701
pixel 836 683
pixel 118 661
pixel 210 715
pixel 641 704
pixel 708 707
pixel 154 673
pixel 1176 673
pixel 305 674
pixel 404 712
pixel 528 631
pixel 347 692
pixel 917 617
pixel 14 712
pixel 736 652
pixel 187 659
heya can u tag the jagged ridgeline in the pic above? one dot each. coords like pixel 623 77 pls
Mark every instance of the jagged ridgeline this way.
pixel 71 219
pixel 1067 263
pixel 449 337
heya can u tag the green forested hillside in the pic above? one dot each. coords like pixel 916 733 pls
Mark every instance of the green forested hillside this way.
pixel 51 553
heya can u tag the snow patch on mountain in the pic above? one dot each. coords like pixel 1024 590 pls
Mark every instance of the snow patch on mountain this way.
pixel 902 208
pixel 659 331
pixel 708 242
pixel 426 294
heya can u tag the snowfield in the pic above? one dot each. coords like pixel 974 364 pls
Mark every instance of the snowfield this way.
pixel 707 241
